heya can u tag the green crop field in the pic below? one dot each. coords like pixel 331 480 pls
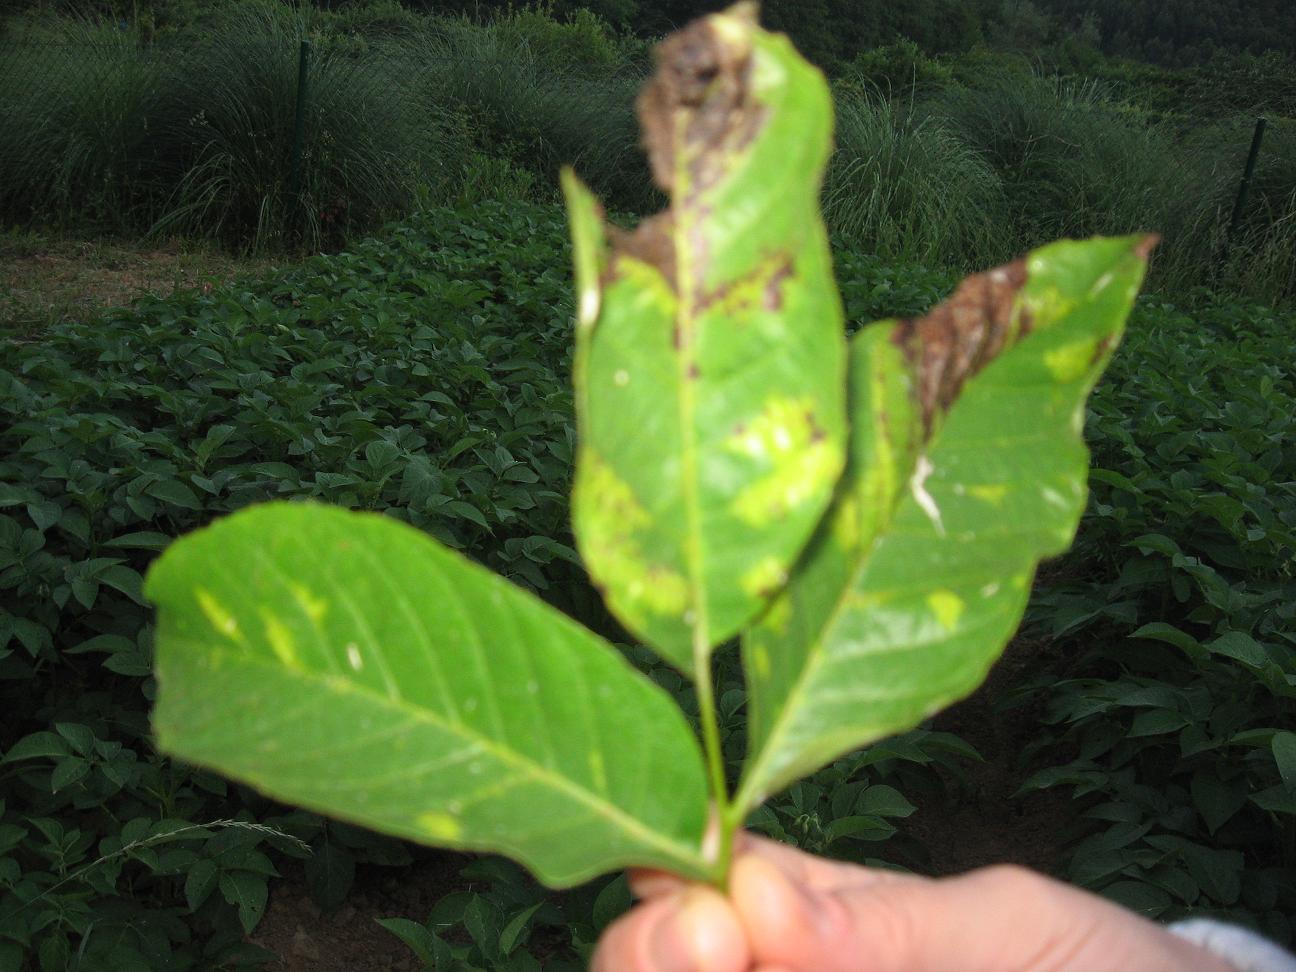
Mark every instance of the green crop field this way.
pixel 425 373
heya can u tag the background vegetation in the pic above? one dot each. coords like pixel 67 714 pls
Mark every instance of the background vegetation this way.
pixel 424 372
pixel 959 145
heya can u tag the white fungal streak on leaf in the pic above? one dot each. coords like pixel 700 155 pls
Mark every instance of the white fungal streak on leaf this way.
pixel 622 378
pixel 589 306
pixel 353 656
pixel 1053 497
pixel 917 485
pixel 1102 282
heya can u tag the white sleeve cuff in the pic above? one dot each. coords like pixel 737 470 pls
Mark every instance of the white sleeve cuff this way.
pixel 1245 949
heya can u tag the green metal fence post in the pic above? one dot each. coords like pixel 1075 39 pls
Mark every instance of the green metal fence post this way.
pixel 299 133
pixel 1239 204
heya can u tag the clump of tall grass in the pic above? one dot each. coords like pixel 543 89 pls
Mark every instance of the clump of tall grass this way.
pixel 527 104
pixel 1073 161
pixel 902 186
pixel 74 114
pixel 196 136
pixel 226 125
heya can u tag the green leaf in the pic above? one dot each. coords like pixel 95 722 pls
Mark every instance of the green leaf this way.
pixel 143 540
pixel 348 663
pixel 37 746
pixel 1217 800
pixel 863 827
pixel 1240 646
pixel 709 348
pixel 248 893
pixel 967 467
pixel 512 934
pixel 1160 631
pixel 66 772
pixel 884 801
pixel 330 872
pixel 1283 746
pixel 199 883
pixel 174 492
pixel 431 951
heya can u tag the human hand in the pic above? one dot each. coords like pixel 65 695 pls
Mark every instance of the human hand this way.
pixel 788 911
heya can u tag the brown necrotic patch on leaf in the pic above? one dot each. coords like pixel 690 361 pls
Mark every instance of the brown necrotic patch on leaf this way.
pixel 699 101
pixel 963 335
pixel 772 294
pixel 652 242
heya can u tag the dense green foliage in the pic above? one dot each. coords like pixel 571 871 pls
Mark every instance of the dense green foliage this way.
pixel 1174 624
pixel 1184 31
pixel 196 135
pixel 373 379
pixel 427 379
pixel 958 160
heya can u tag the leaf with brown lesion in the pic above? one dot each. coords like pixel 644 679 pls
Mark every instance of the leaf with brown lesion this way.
pixel 695 318
pixel 967 466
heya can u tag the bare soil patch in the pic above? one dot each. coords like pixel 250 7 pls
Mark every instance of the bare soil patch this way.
pixel 44 281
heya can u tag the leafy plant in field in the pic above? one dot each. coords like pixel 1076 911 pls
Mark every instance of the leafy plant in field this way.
pixel 119 432
pixel 1173 710
pixel 865 516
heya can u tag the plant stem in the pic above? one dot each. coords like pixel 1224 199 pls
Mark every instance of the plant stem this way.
pixel 714 758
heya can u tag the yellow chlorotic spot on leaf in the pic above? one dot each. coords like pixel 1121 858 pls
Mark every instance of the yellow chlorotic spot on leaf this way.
pixel 760 662
pixel 845 522
pixel 947 606
pixel 786 438
pixel 779 614
pixel 280 638
pixel 217 615
pixel 1069 362
pixel 609 518
pixel 598 772
pixel 990 492
pixel 440 826
pixel 1047 305
pixel 665 592
pixel 313 607
pixel 763 579
pixel 608 499
pixel 644 283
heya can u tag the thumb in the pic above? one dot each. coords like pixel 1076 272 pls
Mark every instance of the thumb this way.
pixel 999 919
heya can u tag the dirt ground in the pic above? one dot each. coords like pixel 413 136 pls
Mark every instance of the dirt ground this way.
pixel 45 280
pixel 349 939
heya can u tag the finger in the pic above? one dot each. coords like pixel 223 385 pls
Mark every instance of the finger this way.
pixel 1001 919
pixel 695 930
pixel 815 872
pixel 646 883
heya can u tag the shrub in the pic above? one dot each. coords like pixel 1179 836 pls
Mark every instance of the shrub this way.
pixel 1073 162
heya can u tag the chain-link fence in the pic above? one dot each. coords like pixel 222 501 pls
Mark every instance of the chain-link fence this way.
pixel 263 139
pixel 258 137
